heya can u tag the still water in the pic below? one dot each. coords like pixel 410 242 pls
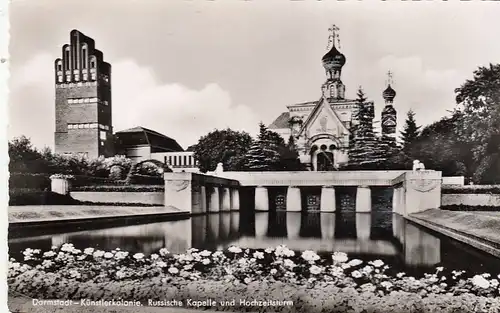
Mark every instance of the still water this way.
pixel 367 236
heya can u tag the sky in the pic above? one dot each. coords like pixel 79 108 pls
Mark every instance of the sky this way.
pixel 187 67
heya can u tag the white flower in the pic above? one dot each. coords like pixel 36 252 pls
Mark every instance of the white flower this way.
pixel 161 264
pixel 164 251
pixel 120 255
pixel 310 256
pixel 339 257
pixel 108 255
pixel 242 261
pixel 356 274
pixel 98 254
pixel 494 283
pixel 138 256
pixel 120 274
pixel 258 255
pixel 88 251
pixel 247 280
pixel 205 261
pixel 386 284
pixel 205 253
pixel 315 270
pixel 486 275
pixel 187 267
pixel 377 263
pixel 217 254
pixel 367 269
pixel 234 249
pixel 49 254
pixel 368 287
pixel 336 271
pixel 154 256
pixel 53 248
pixel 399 275
pixel 270 250
pixel 47 263
pixel 67 247
pixel 273 271
pixel 191 250
pixel 355 262
pixel 480 281
pixel 289 263
pixel 173 270
pixel 282 250
pixel 439 269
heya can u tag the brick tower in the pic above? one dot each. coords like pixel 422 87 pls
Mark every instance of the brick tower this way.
pixel 83 100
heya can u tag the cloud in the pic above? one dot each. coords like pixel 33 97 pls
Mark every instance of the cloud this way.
pixel 139 99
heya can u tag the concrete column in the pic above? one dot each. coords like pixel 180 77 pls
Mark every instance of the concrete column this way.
pixel 363 225
pixel 179 190
pixel 203 199
pixel 293 221
pixel 261 224
pixel 214 200
pixel 226 199
pixel 235 199
pixel 402 201
pixel 261 199
pixel 293 199
pixel 363 199
pixel 328 201
pixel 395 199
pixel 328 226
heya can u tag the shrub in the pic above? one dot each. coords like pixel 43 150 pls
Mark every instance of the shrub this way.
pixel 80 180
pixel 471 189
pixel 468 208
pixel 25 196
pixel 28 180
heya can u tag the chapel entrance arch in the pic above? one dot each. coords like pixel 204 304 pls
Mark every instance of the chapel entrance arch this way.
pixel 323 150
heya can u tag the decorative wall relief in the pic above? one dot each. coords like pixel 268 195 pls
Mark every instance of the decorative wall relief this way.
pixel 177 185
pixel 422 185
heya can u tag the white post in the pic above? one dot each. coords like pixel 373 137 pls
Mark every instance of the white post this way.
pixel 226 199
pixel 328 199
pixel 293 199
pixel 363 224
pixel 60 185
pixel 363 199
pixel 214 200
pixel 235 199
pixel 402 201
pixel 261 199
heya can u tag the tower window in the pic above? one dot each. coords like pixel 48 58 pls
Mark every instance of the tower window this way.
pixel 92 63
pixel 59 66
pixel 84 57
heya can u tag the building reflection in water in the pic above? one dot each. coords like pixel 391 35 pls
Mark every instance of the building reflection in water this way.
pixel 348 232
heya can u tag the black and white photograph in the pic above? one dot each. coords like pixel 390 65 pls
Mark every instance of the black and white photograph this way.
pixel 252 156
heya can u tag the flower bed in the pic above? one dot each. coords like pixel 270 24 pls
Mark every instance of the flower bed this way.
pixel 125 188
pixel 275 276
pixel 471 189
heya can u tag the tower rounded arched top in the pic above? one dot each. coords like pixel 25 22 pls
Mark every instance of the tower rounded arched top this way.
pixel 333 59
pixel 389 93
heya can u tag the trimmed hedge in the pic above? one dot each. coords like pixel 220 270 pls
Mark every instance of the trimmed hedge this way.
pixel 29 181
pixel 467 208
pixel 125 188
pixel 471 189
pixel 137 179
pixel 94 181
pixel 25 196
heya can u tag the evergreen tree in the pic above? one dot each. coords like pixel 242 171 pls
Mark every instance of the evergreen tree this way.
pixel 363 147
pixel 410 131
pixel 263 155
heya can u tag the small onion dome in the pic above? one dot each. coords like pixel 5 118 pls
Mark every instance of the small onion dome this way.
pixel 389 93
pixel 333 59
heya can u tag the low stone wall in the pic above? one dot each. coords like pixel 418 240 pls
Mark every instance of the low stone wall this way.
pixel 156 198
pixel 471 199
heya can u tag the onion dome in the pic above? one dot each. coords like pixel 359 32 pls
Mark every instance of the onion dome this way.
pixel 333 59
pixel 389 94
